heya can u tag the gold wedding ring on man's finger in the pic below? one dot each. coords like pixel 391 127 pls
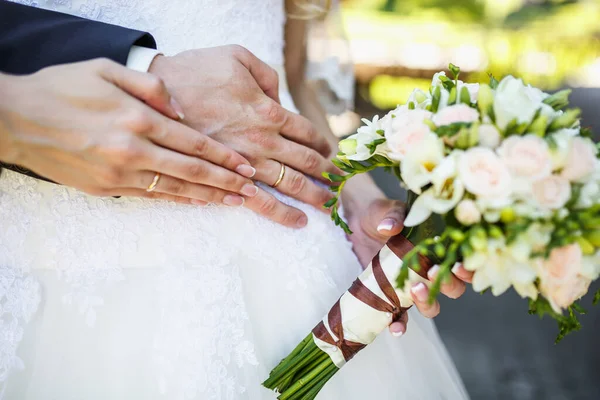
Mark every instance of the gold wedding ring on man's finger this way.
pixel 154 183
pixel 281 175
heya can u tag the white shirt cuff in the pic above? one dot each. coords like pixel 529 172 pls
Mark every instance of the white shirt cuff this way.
pixel 140 58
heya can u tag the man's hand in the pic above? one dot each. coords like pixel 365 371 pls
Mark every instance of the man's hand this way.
pixel 373 220
pixel 107 130
pixel 229 94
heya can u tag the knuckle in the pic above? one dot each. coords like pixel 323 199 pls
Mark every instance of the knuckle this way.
pixel 311 160
pixel 271 111
pixel 137 120
pixel 175 186
pixel 201 146
pixel 232 181
pixel 238 51
pixel 297 183
pixel 262 139
pixel 196 170
pixel 110 177
pixel 269 206
pixel 156 85
pixel 290 217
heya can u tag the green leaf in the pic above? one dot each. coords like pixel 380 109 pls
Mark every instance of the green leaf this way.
pixel 538 126
pixel 342 165
pixel 380 132
pixel 493 82
pixel 333 177
pixel 586 132
pixel 373 146
pixel 411 105
pixel 596 297
pixel 465 96
pixel 565 121
pixel 452 129
pixel 453 96
pixel 331 202
pixel 558 100
pixel 454 70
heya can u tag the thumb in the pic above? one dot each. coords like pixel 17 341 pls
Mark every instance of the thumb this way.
pixel 384 219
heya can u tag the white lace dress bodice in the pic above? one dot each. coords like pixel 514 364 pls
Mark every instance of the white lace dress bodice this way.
pixel 104 298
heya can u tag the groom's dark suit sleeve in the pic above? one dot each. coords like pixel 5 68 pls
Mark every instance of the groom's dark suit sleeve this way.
pixel 32 38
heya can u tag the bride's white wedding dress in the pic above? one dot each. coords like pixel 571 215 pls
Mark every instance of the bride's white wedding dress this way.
pixel 104 298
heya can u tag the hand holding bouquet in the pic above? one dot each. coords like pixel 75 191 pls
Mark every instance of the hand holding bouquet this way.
pixel 501 178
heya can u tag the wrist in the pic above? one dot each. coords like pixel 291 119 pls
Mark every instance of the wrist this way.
pixel 8 149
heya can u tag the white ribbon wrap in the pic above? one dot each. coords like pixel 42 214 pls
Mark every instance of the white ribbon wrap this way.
pixel 362 323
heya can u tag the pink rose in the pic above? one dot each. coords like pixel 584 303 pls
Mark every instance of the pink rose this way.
pixel 560 280
pixel 405 131
pixel 581 160
pixel 454 114
pixel 483 173
pixel 552 192
pixel 526 157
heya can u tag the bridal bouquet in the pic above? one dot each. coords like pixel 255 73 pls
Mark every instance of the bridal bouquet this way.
pixel 501 177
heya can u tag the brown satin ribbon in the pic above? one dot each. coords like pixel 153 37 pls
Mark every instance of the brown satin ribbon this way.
pixel 400 246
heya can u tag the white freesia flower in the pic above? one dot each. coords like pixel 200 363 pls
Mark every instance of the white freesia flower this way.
pixel 417 167
pixel 590 192
pixel 514 100
pixel 499 267
pixel 419 98
pixel 405 131
pixel 445 193
pixel 489 136
pixel 355 146
pixel 454 114
pixel 484 174
pixel 528 160
pixel 562 144
pixel 581 160
pixel 467 213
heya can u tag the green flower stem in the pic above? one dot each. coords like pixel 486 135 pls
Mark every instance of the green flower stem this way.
pixel 317 381
pixel 306 357
pixel 305 380
pixel 292 378
pixel 329 373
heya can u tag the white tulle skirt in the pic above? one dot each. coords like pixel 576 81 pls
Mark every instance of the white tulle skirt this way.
pixel 134 299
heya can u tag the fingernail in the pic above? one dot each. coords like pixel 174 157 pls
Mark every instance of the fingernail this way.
pixel 302 221
pixel 386 225
pixel 178 109
pixel 233 200
pixel 249 190
pixel 245 170
pixel 432 273
pixel 420 291
pixel 397 334
pixel 456 269
pixel 198 202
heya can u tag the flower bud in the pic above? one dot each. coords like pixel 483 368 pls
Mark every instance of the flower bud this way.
pixel 467 213
pixel 538 126
pixel 440 250
pixel 593 237
pixel 348 146
pixel 496 232
pixel 457 235
pixel 566 120
pixel 478 243
pixel 507 215
pixel 485 99
pixel 586 247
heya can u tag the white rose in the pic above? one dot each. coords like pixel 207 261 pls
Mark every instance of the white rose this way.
pixel 489 136
pixel 513 100
pixel 454 114
pixel 417 167
pixel 467 213
pixel 526 157
pixel 581 160
pixel 445 193
pixel 552 192
pixel 484 174
pixel 405 131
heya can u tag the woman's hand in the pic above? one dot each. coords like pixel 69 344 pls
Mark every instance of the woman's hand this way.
pixel 107 130
pixel 374 219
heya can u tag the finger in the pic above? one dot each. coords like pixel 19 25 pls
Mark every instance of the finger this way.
pixel 268 206
pixel 305 160
pixel 193 170
pixel 133 192
pixel 301 130
pixel 453 288
pixel 420 295
pixel 265 76
pixel 461 273
pixel 384 219
pixel 177 187
pixel 398 328
pixel 145 87
pixel 293 184
pixel 182 139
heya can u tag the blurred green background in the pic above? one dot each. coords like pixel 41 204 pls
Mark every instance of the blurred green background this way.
pixel 501 352
pixel 398 44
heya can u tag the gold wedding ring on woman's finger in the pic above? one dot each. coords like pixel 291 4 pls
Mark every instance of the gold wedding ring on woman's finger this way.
pixel 154 183
pixel 281 175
